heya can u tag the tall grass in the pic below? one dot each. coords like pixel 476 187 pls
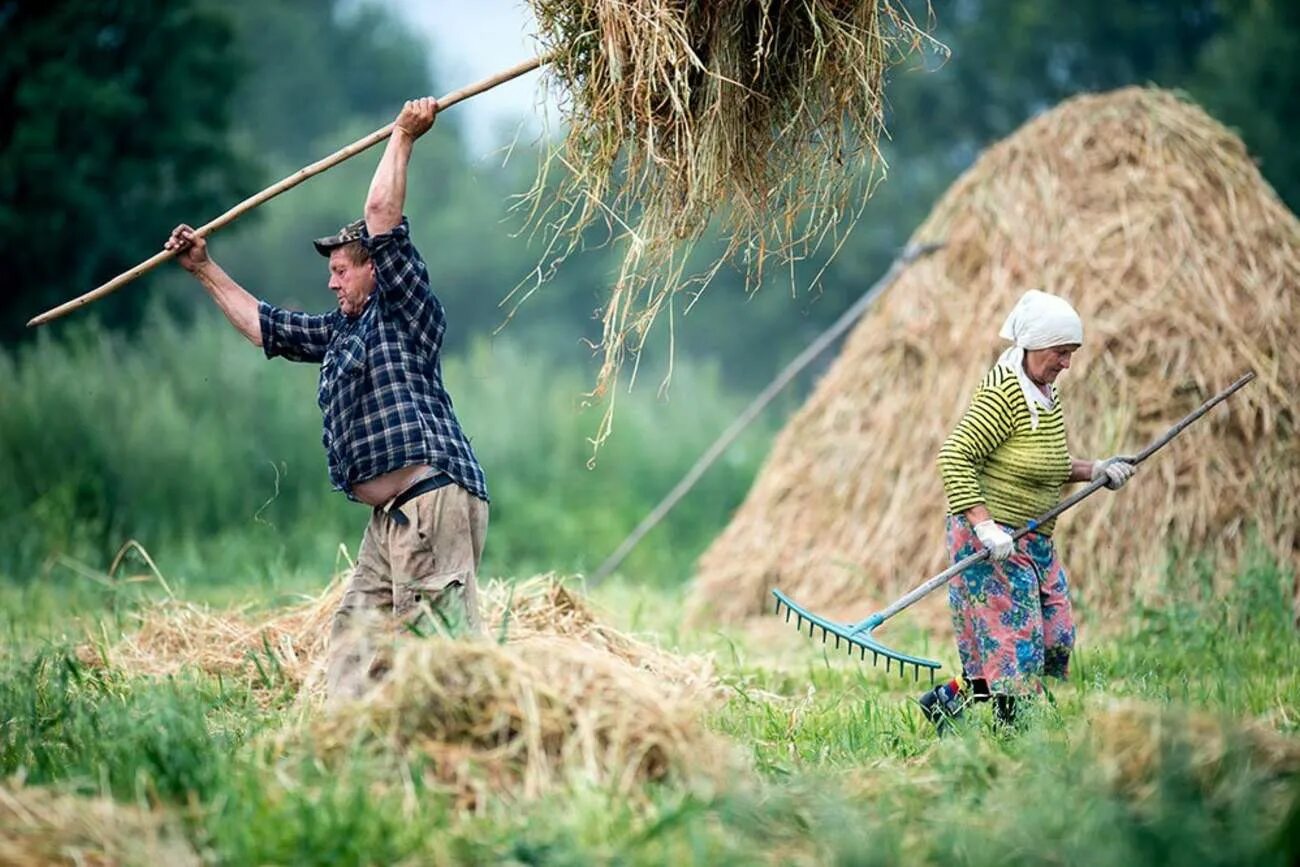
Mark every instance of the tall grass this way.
pixel 187 440
pixel 842 769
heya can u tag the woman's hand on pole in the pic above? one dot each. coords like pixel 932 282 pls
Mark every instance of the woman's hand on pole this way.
pixel 1116 470
pixel 997 540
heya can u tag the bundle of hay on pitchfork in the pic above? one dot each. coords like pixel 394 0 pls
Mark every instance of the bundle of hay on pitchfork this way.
pixel 764 113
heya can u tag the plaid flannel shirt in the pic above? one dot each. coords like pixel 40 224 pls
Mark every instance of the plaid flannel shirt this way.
pixel 381 392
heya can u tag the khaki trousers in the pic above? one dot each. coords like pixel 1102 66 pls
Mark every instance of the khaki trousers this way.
pixel 421 576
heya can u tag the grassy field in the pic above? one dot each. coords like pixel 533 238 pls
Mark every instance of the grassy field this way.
pixel 1174 743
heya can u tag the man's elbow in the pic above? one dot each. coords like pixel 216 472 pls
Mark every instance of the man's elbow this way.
pixel 252 331
pixel 381 215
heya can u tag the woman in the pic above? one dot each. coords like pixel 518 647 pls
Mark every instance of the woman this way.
pixel 1004 463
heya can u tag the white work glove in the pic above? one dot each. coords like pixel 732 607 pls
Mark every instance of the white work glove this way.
pixel 996 539
pixel 1116 471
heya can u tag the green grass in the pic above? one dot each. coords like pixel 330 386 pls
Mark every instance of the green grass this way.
pixel 835 765
pixel 215 467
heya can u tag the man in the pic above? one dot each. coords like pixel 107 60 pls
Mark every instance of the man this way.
pixel 390 434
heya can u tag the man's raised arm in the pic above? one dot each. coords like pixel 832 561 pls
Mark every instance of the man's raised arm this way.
pixel 387 194
pixel 239 306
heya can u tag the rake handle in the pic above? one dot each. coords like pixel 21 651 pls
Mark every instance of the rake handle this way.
pixel 1078 496
pixel 281 186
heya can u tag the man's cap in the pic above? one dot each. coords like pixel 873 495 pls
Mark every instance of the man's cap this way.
pixel 349 233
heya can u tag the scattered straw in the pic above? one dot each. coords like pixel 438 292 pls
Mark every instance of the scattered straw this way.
pixel 674 109
pixel 544 606
pixel 1138 744
pixel 520 719
pixel 1150 217
pixel 277 652
pixel 39 827
pixel 283 652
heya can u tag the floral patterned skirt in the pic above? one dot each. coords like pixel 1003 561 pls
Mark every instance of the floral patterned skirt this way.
pixel 1012 619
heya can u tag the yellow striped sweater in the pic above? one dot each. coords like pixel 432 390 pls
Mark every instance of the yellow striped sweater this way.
pixel 993 456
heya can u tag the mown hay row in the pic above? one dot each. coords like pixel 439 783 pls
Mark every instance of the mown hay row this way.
pixel 1141 746
pixel 519 720
pixel 552 693
pixel 284 650
pixel 1149 217
pixel 39 827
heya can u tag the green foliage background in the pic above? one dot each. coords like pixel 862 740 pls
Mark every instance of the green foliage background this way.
pixel 144 417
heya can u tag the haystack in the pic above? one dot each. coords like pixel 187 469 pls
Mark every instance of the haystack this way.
pixel 39 827
pixel 487 720
pixel 1150 217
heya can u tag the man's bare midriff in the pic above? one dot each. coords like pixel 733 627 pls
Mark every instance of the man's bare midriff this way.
pixel 382 488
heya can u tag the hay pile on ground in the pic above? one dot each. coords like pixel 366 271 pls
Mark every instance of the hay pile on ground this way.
pixel 272 652
pixel 543 606
pixel 673 109
pixel 1140 746
pixel 1150 217
pixel 39 827
pixel 283 651
pixel 518 720
pixel 552 693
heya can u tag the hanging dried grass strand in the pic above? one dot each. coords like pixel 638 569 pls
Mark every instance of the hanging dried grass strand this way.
pixel 762 114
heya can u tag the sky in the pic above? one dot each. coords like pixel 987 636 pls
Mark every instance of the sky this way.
pixel 471 41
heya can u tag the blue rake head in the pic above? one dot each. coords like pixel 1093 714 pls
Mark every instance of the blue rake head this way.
pixel 855 635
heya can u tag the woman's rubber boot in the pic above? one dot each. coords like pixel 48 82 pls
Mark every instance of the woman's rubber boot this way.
pixel 1004 712
pixel 942 706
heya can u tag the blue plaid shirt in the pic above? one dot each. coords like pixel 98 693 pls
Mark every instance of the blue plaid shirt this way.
pixel 381 391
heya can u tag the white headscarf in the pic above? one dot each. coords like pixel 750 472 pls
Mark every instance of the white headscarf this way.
pixel 1038 321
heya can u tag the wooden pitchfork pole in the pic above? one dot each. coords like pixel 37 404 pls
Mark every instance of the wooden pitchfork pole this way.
pixel 276 189
pixel 860 635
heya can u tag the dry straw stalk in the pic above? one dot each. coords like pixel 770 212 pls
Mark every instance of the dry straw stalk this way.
pixel 39 827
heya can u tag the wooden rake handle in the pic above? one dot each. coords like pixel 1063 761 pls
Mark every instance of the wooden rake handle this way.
pixel 1078 496
pixel 279 187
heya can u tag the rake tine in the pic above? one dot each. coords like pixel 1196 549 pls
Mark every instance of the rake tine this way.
pixel 856 635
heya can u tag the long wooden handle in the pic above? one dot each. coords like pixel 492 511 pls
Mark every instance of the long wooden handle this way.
pixel 909 255
pixel 276 189
pixel 1078 496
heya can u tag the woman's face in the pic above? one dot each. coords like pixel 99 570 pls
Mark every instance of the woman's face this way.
pixel 1045 365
